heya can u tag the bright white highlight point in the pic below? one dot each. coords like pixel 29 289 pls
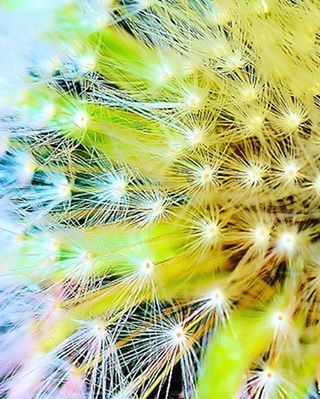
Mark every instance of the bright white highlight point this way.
pixel 260 235
pixel 206 175
pixel 265 6
pixel 279 320
pixel 81 119
pixel 234 61
pixel 63 190
pixel 118 188
pixel 98 329
pixel 193 100
pixel 254 175
pixel 290 170
pixel 147 268
pixel 177 335
pixel 164 73
pixel 86 63
pixel 195 136
pixel 287 242
pixel 255 123
pixel 293 120
pixel 25 167
pixel 157 209
pixel 217 298
pixel 48 111
pixel 211 231
pixel 248 94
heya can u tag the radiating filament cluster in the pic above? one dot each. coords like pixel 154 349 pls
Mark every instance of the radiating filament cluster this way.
pixel 159 200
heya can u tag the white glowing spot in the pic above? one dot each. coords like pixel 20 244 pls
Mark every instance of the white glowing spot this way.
pixel 48 111
pixel 63 189
pixel 287 242
pixel 255 123
pixel 265 6
pixel 154 209
pixel 147 268
pixel 193 101
pixel 206 175
pixel 157 209
pixel 25 167
pixel 164 74
pixel 260 235
pixel 211 231
pixel 269 381
pixel 98 329
pixel 81 119
pixel 195 136
pixel 293 120
pixel 254 175
pixel 234 61
pixel 177 335
pixel 118 188
pixel 55 244
pixel 280 321
pixel 217 298
pixel 87 258
pixel 290 170
pixel 86 63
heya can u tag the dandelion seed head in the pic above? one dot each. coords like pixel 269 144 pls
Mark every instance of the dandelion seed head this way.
pixel 293 120
pixel 80 119
pixel 118 188
pixel 210 231
pixel 217 298
pixel 248 95
pixel 254 175
pixel 287 242
pixel 290 170
pixel 177 335
pixel 194 100
pixel 261 235
pixel 195 136
pixel 206 175
pixel 280 321
pixel 164 73
pixel 147 268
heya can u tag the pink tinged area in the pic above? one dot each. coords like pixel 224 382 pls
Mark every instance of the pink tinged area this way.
pixel 29 377
pixel 21 390
pixel 25 383
pixel 74 388
pixel 15 348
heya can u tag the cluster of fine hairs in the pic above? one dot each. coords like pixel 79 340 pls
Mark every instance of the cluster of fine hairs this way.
pixel 159 201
